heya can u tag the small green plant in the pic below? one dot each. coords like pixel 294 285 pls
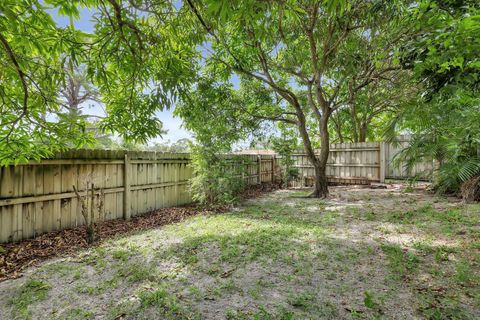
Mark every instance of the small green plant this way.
pixel 159 298
pixel 368 300
pixel 217 178
pixel 400 261
pixel 285 145
pixel 411 183
pixel 30 292
pixel 464 273
pixel 301 300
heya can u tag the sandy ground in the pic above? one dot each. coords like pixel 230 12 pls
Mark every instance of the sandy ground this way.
pixel 361 254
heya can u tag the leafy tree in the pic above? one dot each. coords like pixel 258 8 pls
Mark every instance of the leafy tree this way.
pixel 376 84
pixel 140 59
pixel 445 58
pixel 217 177
pixel 369 110
pixel 285 145
pixel 33 52
pixel 290 52
pixel 179 146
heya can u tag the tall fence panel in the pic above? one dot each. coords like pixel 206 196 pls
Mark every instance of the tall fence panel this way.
pixel 351 163
pixel 38 197
pixel 397 170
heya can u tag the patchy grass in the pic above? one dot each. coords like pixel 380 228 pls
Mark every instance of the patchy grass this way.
pixel 30 292
pixel 362 254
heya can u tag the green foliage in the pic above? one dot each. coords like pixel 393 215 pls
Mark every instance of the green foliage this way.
pixel 294 61
pixel 368 300
pixel 139 60
pixel 285 145
pixel 30 292
pixel 444 120
pixel 34 52
pixel 401 262
pixel 217 177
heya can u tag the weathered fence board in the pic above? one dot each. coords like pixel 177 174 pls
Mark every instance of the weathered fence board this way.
pixel 398 170
pixel 356 163
pixel 361 163
pixel 38 197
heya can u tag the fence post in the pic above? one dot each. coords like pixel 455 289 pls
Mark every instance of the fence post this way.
pixel 242 167
pixel 273 168
pixel 383 166
pixel 259 169
pixel 126 183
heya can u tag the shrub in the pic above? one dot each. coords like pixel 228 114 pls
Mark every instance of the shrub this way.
pixel 217 177
pixel 285 145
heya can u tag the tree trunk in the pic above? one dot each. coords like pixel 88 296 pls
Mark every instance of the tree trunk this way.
pixel 321 183
pixel 320 164
pixel 363 133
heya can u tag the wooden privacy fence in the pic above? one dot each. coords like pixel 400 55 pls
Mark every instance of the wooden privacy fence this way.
pixel 398 170
pixel 38 197
pixel 361 163
pixel 352 163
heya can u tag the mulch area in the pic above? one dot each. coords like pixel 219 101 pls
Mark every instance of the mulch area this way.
pixel 16 257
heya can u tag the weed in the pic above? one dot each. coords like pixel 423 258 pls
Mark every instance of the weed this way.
pixel 100 288
pixel 301 300
pixel 400 261
pixel 76 314
pixel 368 300
pixel 162 300
pixel 121 254
pixel 434 306
pixel 30 292
pixel 135 272
pixel 464 273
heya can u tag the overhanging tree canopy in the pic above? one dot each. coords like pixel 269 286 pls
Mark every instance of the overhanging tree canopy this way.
pixel 299 53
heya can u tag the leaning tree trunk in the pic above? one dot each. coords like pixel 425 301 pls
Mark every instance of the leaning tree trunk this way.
pixel 320 164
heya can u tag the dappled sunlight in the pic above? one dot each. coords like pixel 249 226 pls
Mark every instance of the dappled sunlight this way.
pixel 283 253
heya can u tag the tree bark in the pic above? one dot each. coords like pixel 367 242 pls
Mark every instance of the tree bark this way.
pixel 320 163
pixel 321 187
pixel 321 183
pixel 363 132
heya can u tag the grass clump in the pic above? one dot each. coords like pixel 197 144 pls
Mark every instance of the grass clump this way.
pixel 164 303
pixel 400 262
pixel 30 292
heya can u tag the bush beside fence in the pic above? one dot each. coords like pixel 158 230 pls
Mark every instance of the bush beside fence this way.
pixel 38 197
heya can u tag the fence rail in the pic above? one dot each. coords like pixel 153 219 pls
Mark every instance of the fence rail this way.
pixel 38 197
pixel 361 163
pixel 353 163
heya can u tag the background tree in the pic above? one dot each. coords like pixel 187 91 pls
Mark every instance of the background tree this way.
pixel 139 58
pixel 33 52
pixel 293 51
pixel 368 111
pixel 285 145
pixel 445 58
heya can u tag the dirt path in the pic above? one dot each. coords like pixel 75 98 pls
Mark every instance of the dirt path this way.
pixel 362 254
